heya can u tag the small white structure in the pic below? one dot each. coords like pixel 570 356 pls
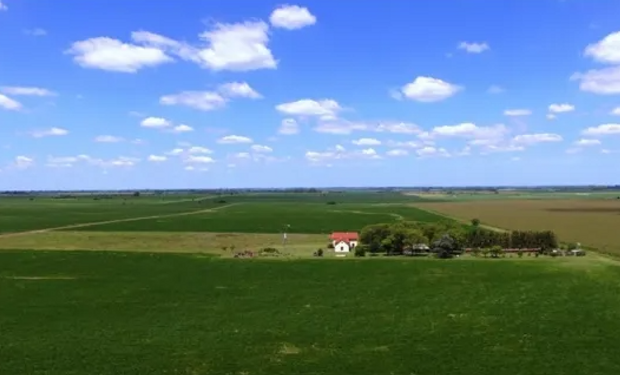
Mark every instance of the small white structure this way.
pixel 344 242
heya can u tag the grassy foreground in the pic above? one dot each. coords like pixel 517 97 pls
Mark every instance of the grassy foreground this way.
pixel 130 313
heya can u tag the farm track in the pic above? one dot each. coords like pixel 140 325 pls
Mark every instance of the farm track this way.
pixel 82 225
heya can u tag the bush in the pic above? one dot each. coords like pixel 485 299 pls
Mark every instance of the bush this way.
pixel 331 203
pixel 330 245
pixel 269 250
pixel 360 251
pixel 319 252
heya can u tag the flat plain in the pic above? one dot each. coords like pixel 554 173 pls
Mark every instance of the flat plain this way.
pixel 591 222
pixel 132 313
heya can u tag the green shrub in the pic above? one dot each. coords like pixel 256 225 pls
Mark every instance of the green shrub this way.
pixel 319 252
pixel 360 251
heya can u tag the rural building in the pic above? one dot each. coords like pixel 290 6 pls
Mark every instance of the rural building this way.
pixel 344 242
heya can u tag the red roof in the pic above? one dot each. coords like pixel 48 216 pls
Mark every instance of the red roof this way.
pixel 344 236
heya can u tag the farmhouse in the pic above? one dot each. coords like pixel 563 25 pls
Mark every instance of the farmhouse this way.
pixel 344 242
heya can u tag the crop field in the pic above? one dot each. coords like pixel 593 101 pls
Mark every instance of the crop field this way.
pixel 23 214
pixel 273 217
pixel 593 223
pixel 514 195
pixel 131 313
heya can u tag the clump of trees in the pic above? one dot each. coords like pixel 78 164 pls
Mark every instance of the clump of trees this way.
pixel 448 238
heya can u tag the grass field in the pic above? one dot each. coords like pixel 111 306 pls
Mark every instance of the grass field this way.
pixel 129 313
pixel 22 214
pixel 591 222
pixel 298 245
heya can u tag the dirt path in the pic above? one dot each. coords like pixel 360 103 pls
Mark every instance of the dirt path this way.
pixel 82 225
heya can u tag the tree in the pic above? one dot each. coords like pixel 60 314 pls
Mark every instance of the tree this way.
pixel 445 247
pixel 475 223
pixel 496 251
pixel 136 194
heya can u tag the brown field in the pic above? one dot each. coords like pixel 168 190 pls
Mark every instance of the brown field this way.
pixel 594 223
pixel 297 244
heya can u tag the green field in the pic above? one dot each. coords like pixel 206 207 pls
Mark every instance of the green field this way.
pixel 23 214
pixel 251 213
pixel 123 313
pixel 271 217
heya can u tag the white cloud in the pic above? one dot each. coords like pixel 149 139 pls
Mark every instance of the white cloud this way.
pixel 432 151
pixel 239 90
pixel 340 153
pixel 587 142
pixel 26 91
pixel 551 116
pixel 291 17
pixel 494 89
pixel 288 127
pixel 398 128
pixel 155 122
pixel 51 132
pixel 604 129
pixel 230 139
pixel 310 107
pixel 406 144
pixel 61 161
pixel 339 127
pixel 23 162
pixel 237 47
pixel 195 150
pixel 182 128
pixel 428 89
pixel 261 148
pixel 108 139
pixel 36 32
pixel 604 81
pixel 397 152
pixel 9 104
pixel 367 142
pixel 175 152
pixel 473 47
pixel 199 159
pixel 607 50
pixel 3 6
pixel 469 130
pixel 113 55
pixel 201 100
pixel 517 112
pixel 157 158
pixel 528 139
pixel 615 111
pixel 561 108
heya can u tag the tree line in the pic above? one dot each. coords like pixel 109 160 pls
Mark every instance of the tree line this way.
pixel 452 237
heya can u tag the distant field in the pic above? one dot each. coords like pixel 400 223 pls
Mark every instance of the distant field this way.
pixel 515 195
pixel 594 223
pixel 121 313
pixel 272 217
pixel 298 245
pixel 22 214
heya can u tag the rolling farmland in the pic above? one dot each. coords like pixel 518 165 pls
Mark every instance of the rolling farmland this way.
pixel 588 221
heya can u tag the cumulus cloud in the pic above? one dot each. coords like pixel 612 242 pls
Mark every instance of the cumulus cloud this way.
pixel 224 46
pixel 51 132
pixel 157 158
pixel 201 100
pixel 473 47
pixel 291 17
pixel 561 108
pixel 517 112
pixel 232 139
pixel 239 90
pixel 310 107
pixel 108 139
pixel 261 148
pixel 26 91
pixel 366 142
pixel 529 139
pixel 182 128
pixel 288 126
pixel 155 122
pixel 429 89
pixel 588 142
pixel 604 129
pixel 607 50
pixel 9 104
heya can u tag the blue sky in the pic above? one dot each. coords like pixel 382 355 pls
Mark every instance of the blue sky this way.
pixel 190 94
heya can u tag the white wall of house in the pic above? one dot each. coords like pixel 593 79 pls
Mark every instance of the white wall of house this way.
pixel 341 247
pixel 353 243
